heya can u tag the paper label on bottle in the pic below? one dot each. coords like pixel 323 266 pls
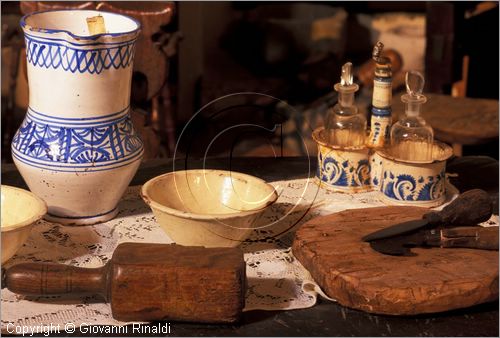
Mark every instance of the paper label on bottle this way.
pixel 382 93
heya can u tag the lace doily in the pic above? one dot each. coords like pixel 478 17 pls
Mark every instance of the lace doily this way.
pixel 276 280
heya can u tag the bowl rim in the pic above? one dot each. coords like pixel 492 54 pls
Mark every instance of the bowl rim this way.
pixel 40 212
pixel 198 216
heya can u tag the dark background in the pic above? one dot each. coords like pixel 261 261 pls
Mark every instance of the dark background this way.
pixel 292 51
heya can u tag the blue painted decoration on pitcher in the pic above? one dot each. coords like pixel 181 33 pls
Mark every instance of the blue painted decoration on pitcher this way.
pixel 80 58
pixel 62 145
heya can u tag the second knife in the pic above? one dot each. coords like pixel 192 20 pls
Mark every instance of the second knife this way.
pixel 470 208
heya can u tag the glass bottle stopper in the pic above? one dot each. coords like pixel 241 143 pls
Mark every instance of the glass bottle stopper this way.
pixel 414 98
pixel 346 87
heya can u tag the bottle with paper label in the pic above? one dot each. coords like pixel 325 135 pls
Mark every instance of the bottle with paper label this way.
pixel 381 119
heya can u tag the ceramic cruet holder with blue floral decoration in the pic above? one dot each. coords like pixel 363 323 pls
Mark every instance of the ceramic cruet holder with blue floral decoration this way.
pixel 413 167
pixel 343 158
pixel 77 148
pixel 418 183
pixel 409 171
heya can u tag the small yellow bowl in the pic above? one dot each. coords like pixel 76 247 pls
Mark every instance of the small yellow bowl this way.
pixel 211 208
pixel 20 209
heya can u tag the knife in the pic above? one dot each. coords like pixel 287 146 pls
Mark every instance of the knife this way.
pixel 465 237
pixel 471 207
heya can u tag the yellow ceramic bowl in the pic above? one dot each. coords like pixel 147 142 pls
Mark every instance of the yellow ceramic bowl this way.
pixel 20 209
pixel 211 208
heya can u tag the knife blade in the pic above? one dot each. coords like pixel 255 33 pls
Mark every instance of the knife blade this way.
pixel 465 237
pixel 471 207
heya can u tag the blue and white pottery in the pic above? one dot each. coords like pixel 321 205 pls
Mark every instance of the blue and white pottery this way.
pixel 376 166
pixel 415 183
pixel 400 182
pixel 345 169
pixel 77 148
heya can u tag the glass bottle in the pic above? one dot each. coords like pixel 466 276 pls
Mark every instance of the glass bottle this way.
pixel 344 126
pixel 411 137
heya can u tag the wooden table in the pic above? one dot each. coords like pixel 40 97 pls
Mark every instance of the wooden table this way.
pixel 327 318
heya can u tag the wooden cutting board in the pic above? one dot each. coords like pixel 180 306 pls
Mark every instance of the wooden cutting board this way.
pixel 351 272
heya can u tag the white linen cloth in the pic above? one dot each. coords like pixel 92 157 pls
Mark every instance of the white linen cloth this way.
pixel 276 280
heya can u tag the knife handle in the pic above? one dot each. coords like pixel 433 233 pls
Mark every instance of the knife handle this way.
pixel 42 279
pixel 469 237
pixel 471 207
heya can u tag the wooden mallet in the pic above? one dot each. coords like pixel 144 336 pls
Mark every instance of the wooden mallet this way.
pixel 147 282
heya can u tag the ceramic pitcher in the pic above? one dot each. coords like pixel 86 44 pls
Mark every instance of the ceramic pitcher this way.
pixel 77 148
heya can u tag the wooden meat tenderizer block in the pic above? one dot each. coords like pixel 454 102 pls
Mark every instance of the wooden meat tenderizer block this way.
pixel 148 282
